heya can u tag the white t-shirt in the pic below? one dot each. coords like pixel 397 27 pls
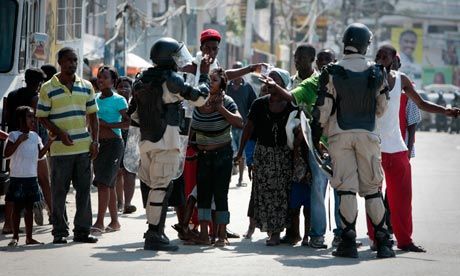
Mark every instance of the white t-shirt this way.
pixel 23 162
pixel 388 124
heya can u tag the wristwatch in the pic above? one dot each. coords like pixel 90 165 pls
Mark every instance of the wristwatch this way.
pixel 95 143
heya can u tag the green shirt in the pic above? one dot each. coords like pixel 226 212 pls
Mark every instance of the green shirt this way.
pixel 305 95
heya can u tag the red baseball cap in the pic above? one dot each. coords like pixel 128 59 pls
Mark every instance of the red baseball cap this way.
pixel 210 34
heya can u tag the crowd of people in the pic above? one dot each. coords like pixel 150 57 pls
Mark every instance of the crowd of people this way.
pixel 185 124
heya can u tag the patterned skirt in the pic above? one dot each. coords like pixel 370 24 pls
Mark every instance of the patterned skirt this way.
pixel 272 178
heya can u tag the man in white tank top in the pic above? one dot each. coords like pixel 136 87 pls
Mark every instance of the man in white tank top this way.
pixel 395 160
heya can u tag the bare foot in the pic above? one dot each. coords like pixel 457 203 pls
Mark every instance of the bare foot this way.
pixel 273 240
pixel 113 226
pixel 249 233
pixel 32 241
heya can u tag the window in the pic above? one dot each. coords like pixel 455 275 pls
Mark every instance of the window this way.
pixel 8 22
pixel 69 20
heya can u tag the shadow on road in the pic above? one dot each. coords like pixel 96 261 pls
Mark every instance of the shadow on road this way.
pixel 131 252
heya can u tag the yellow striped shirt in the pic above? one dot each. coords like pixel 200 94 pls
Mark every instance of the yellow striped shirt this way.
pixel 67 110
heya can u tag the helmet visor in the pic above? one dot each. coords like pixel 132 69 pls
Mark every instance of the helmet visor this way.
pixel 182 57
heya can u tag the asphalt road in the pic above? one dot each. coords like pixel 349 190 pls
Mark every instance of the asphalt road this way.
pixel 436 215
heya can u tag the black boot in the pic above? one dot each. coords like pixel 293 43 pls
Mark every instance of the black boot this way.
pixel 347 247
pixel 164 210
pixel 384 244
pixel 154 240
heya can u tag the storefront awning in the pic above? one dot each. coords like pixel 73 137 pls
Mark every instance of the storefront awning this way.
pixel 93 47
pixel 135 61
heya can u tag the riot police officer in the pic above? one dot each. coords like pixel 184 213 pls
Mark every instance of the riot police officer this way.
pixel 352 93
pixel 160 92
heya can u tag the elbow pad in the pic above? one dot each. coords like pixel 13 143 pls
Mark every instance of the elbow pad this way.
pixel 199 94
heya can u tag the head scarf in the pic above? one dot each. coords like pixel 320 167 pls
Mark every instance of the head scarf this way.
pixel 285 76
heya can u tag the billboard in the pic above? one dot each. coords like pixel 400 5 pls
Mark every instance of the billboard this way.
pixel 409 44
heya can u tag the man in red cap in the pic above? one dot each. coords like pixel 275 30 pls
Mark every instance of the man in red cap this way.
pixel 210 40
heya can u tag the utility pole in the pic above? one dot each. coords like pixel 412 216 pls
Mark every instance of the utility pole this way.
pixel 312 24
pixel 272 27
pixel 109 31
pixel 125 19
pixel 250 10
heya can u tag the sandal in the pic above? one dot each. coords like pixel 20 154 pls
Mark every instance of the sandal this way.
pixel 95 231
pixel 110 229
pixel 221 243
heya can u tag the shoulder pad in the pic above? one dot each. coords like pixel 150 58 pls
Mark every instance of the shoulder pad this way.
pixel 335 69
pixel 175 82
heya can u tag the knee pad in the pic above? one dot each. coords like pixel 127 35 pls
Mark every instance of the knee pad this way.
pixel 348 208
pixel 375 208
pixel 155 205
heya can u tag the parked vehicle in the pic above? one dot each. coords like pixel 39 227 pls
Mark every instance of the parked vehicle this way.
pixel 22 46
pixel 455 122
pixel 442 94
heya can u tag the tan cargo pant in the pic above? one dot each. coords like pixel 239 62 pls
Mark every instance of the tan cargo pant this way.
pixel 157 169
pixel 356 160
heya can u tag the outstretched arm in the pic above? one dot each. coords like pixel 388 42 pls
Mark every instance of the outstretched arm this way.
pixel 425 105
pixel 239 72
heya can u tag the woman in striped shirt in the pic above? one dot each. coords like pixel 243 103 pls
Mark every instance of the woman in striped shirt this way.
pixel 212 126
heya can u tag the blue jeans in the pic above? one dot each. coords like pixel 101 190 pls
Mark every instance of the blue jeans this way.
pixel 338 228
pixel 213 178
pixel 236 138
pixel 318 192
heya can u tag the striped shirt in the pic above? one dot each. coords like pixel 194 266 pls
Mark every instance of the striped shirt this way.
pixel 68 110
pixel 212 128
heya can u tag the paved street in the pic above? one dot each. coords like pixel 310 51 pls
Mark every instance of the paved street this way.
pixel 436 186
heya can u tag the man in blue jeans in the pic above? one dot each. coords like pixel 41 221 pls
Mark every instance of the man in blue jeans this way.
pixel 305 94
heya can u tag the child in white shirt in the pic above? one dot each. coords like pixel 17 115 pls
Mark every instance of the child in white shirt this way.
pixel 24 148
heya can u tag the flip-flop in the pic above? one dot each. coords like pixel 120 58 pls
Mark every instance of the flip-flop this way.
pixel 95 231
pixel 110 229
pixel 221 243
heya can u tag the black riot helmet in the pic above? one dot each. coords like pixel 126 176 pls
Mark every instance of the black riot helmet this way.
pixel 356 38
pixel 167 52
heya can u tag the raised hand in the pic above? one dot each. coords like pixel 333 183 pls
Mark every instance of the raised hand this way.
pixel 206 62
pixel 23 137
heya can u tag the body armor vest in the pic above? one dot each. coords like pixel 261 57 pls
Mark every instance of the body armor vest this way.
pixel 356 97
pixel 154 114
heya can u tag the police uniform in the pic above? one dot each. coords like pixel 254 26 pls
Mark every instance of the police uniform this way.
pixel 160 90
pixel 350 98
